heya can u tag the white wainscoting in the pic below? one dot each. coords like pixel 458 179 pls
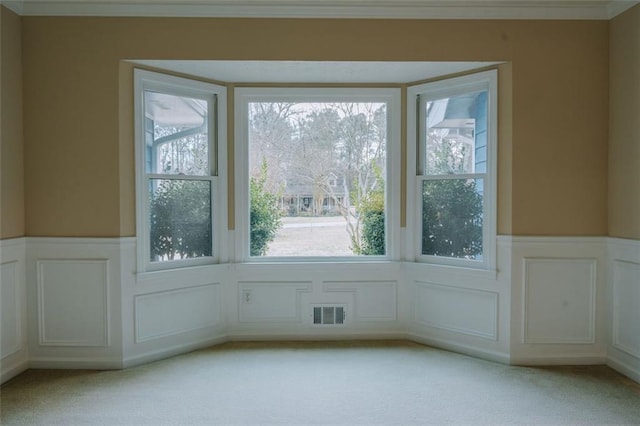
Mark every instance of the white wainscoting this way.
pixel 559 300
pixel 462 309
pixel 623 307
pixel 626 307
pixel 80 303
pixel 199 307
pixel 74 302
pixel 271 301
pixel 275 301
pixel 372 300
pixel 13 308
pixel 170 312
pixel 558 290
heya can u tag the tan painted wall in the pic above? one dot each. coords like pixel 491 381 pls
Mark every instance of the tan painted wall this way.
pixel 11 147
pixel 624 148
pixel 79 136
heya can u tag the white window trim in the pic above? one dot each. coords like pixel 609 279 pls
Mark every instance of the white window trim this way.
pixel 144 80
pixel 243 96
pixel 486 80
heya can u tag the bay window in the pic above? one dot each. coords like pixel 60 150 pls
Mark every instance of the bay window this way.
pixel 180 198
pixel 455 171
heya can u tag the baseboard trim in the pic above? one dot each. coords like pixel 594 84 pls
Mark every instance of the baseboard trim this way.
pixel 463 349
pixel 624 368
pixel 71 363
pixel 172 351
pixel 306 336
pixel 587 359
pixel 12 372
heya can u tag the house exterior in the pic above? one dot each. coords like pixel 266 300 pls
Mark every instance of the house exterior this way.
pixel 300 199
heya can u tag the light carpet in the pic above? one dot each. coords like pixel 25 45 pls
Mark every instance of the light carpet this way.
pixel 296 383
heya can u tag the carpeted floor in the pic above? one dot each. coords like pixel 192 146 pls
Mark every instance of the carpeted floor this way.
pixel 394 383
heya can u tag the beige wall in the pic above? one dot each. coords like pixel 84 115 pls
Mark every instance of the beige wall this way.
pixel 624 147
pixel 11 148
pixel 78 126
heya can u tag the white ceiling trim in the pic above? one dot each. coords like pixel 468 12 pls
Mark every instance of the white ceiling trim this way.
pixel 615 8
pixel 311 72
pixel 394 9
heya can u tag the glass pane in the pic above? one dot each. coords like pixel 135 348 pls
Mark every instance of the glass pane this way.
pixel 317 178
pixel 180 219
pixel 176 134
pixel 456 138
pixel 452 218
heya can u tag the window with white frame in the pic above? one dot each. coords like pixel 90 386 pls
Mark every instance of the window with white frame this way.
pixel 313 165
pixel 455 177
pixel 179 156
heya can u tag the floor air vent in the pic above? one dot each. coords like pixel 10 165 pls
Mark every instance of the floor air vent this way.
pixel 328 315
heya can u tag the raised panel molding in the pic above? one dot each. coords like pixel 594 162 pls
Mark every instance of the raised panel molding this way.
pixel 373 300
pixel 73 302
pixel 457 309
pixel 559 300
pixel 11 310
pixel 626 307
pixel 171 312
pixel 269 301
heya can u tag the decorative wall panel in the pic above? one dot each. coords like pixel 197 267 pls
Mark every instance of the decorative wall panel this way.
pixel 559 300
pixel 462 310
pixel 73 302
pixel 10 311
pixel 171 312
pixel 626 307
pixel 271 301
pixel 374 300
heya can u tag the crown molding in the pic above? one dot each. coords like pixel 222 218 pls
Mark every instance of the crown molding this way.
pixel 615 8
pixel 15 6
pixel 361 9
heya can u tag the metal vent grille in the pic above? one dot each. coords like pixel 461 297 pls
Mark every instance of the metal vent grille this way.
pixel 328 315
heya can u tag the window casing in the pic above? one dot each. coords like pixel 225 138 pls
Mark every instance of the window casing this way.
pixel 452 142
pixel 245 163
pixel 180 163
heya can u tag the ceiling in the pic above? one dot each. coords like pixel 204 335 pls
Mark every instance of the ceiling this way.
pixel 395 9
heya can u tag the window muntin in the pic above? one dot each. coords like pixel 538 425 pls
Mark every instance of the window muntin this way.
pixel 455 179
pixel 325 202
pixel 179 207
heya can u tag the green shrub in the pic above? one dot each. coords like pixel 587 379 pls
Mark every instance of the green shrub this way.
pixel 452 218
pixel 180 215
pixel 264 214
pixel 373 224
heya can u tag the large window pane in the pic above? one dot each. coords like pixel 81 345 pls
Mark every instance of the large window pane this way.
pixel 317 178
pixel 452 218
pixel 180 219
pixel 456 134
pixel 176 138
